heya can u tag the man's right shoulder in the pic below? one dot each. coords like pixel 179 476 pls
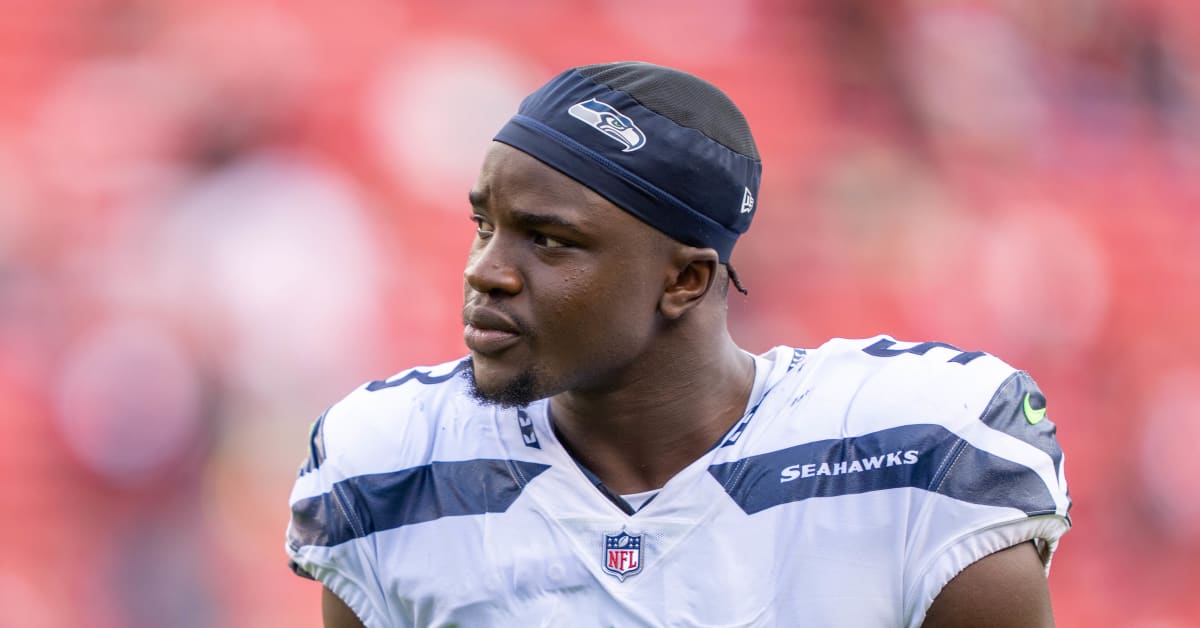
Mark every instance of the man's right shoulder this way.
pixel 390 423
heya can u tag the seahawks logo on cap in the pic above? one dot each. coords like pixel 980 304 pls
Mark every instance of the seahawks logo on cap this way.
pixel 610 122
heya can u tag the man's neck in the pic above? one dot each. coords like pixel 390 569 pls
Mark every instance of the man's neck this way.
pixel 638 436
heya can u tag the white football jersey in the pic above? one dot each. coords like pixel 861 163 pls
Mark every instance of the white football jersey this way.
pixel 864 475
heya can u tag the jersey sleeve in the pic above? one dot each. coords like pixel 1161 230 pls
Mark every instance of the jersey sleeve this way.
pixel 325 539
pixel 999 484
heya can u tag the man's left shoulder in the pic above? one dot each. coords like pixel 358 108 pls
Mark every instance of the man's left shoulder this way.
pixel 883 380
pixel 888 356
pixel 941 403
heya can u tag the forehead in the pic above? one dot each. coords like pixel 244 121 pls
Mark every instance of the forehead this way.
pixel 512 180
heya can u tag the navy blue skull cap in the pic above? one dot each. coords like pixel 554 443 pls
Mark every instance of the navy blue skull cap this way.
pixel 666 146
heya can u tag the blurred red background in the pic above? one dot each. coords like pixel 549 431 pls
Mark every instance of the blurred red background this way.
pixel 218 217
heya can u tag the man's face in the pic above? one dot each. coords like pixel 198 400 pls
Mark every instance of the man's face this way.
pixel 561 287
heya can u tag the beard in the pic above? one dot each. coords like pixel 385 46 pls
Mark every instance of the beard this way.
pixel 517 392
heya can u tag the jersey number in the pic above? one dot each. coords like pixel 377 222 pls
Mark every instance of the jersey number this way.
pixel 883 349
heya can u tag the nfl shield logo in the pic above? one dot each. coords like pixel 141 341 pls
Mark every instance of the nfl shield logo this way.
pixel 622 554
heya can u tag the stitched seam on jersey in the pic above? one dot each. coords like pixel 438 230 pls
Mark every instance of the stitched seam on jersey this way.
pixel 351 517
pixel 516 474
pixel 943 471
pixel 990 407
pixel 737 475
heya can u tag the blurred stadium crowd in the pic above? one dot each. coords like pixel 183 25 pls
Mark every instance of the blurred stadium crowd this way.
pixel 217 217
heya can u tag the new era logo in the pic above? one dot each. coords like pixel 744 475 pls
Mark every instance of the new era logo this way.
pixel 747 202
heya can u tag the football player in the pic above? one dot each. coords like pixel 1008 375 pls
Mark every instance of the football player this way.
pixel 607 455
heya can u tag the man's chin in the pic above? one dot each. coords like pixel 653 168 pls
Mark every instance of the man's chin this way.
pixel 513 391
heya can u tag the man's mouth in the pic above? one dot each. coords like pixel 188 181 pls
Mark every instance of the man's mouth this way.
pixel 488 332
pixel 488 342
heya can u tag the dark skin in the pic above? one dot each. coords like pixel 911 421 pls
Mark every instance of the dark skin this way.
pixel 624 330
pixel 621 327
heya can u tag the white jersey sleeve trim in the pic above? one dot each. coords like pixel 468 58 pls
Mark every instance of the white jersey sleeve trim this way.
pixel 961 553
pixel 353 593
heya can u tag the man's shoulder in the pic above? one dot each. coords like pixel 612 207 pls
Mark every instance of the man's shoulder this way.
pixel 392 423
pixel 886 356
pixel 416 385
pixel 879 382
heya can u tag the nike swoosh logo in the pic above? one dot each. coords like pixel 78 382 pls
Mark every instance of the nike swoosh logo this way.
pixel 1033 416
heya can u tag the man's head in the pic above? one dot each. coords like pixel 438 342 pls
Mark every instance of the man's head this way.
pixel 606 209
pixel 665 146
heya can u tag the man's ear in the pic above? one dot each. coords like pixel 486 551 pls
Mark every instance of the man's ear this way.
pixel 693 272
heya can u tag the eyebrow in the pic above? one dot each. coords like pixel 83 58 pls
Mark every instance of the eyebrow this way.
pixel 529 219
pixel 525 218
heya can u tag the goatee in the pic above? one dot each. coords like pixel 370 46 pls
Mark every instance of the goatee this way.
pixel 515 393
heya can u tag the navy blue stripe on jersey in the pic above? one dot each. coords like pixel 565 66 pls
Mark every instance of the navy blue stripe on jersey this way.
pixel 316 445
pixel 365 504
pixel 925 456
pixel 1006 412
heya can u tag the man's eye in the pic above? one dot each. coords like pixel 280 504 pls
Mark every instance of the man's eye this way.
pixel 483 228
pixel 548 242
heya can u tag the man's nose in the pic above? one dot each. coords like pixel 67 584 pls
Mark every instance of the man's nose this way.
pixel 490 268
